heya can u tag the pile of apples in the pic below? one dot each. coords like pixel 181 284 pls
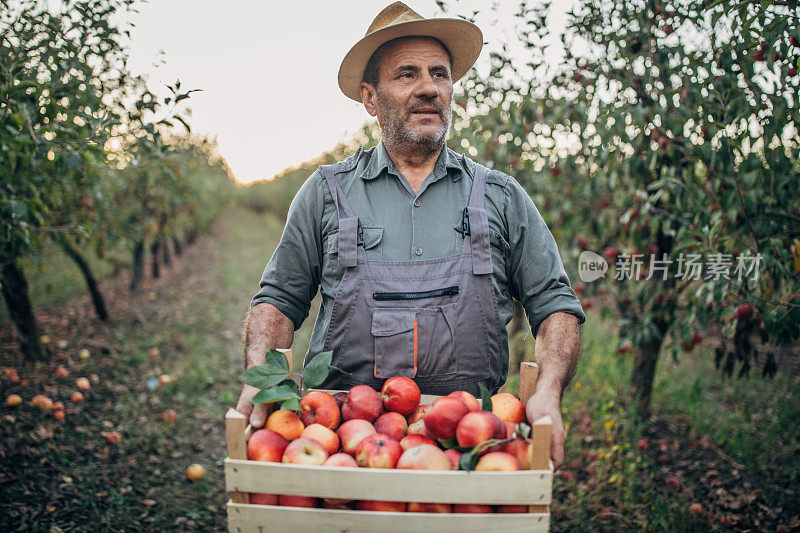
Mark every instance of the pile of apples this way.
pixel 362 428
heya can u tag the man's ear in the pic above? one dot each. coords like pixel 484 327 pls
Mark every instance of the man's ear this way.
pixel 368 96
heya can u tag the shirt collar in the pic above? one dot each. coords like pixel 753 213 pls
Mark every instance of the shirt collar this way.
pixel 381 161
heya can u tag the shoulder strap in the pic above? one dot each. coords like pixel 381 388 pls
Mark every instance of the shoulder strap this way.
pixel 479 224
pixel 349 226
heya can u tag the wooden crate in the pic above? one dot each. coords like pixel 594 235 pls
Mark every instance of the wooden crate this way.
pixel 528 487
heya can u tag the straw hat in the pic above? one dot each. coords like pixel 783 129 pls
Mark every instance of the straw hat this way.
pixel 462 38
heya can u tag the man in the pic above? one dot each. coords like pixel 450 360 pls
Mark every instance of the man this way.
pixel 418 252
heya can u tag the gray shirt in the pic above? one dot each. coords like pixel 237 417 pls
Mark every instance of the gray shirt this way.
pixel 401 226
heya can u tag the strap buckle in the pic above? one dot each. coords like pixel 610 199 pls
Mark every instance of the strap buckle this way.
pixel 360 237
pixel 465 223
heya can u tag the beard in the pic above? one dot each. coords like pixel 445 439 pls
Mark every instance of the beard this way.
pixel 398 133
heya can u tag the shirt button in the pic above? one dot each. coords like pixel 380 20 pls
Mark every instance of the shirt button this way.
pixel 416 203
pixel 418 251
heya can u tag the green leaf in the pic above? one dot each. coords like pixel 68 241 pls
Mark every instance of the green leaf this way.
pixel 468 461
pixel 20 209
pixel 486 398
pixel 448 443
pixel 277 359
pixel 265 376
pixel 317 370
pixel 281 392
pixel 522 430
pixel 292 404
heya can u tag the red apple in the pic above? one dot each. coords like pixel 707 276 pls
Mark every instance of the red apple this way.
pixel 512 508
pixel 400 395
pixel 697 337
pixel 743 311
pixel 409 441
pixel 374 505
pixel 497 462
pixel 418 428
pixel 327 437
pixel 469 400
pixel 378 451
pixel 522 449
pixel 352 432
pixel 340 397
pixel 262 498
pixel 318 407
pixel 362 402
pixel 304 451
pixel 471 508
pixel 454 456
pixel 477 427
pixel 443 417
pixel 266 445
pixel 286 500
pixel 417 507
pixel 424 457
pixel 511 429
pixel 339 460
pixel 508 408
pixel 392 424
pixel 417 414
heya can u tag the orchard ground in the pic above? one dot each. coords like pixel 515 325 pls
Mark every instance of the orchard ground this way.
pixel 719 453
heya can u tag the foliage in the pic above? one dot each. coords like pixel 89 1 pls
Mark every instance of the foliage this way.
pixel 274 378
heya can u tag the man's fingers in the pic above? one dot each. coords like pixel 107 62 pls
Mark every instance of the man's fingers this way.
pixel 259 415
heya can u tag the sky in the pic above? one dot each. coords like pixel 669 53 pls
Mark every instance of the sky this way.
pixel 268 69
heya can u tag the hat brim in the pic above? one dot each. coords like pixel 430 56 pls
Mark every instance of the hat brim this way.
pixel 463 39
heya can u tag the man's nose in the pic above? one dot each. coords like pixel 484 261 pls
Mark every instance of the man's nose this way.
pixel 426 88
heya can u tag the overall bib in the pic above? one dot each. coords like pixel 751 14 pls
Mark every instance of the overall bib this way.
pixel 435 321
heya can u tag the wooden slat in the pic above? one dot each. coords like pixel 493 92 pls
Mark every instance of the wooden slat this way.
pixel 541 430
pixel 243 518
pixel 449 486
pixel 235 427
pixel 528 375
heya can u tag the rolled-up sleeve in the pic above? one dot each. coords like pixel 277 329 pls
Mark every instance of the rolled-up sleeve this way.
pixel 291 278
pixel 536 274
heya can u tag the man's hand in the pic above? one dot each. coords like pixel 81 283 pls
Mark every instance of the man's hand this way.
pixel 256 413
pixel 542 403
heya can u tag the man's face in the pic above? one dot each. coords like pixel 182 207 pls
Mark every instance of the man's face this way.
pixel 414 93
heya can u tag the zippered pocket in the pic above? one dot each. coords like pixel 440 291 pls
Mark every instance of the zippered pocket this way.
pixel 419 295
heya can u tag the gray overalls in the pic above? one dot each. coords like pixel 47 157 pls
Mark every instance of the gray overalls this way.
pixel 435 321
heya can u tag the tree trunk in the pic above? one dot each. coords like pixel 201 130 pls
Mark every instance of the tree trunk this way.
pixel 138 266
pixel 91 282
pixel 176 245
pixel 15 292
pixel 644 371
pixel 154 254
pixel 165 255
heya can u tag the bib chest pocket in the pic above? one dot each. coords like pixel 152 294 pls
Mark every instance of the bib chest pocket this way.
pixel 414 341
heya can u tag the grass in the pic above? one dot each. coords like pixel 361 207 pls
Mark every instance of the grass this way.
pixel 65 475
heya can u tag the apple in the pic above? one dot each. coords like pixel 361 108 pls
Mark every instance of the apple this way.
pixel 516 508
pixel 511 429
pixel 57 406
pixel 76 397
pixel 497 462
pixel 455 457
pixel 325 436
pixel 338 460
pixel 13 400
pixel 112 437
pixel 164 379
pixel 697 337
pixel 417 414
pixel 443 417
pixel 42 402
pixel 59 415
pixel 340 397
pixel 318 407
pixel 468 399
pixel 262 498
pixel 286 500
pixel 62 372
pixel 508 408
pixel 418 507
pixel 696 509
pixel 83 353
pixel 304 451
pixel 522 449
pixel 195 472
pixel 409 441
pixel 743 311
pixel 393 424
pixel 352 432
pixel 286 423
pixel 169 416
pixel 266 445
pixel 471 508
pixel 374 505
pixel 362 402
pixel 82 383
pixel 418 428
pixel 477 427
pixel 378 451
pixel 154 352
pixel 343 505
pixel 400 395
pixel 424 457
